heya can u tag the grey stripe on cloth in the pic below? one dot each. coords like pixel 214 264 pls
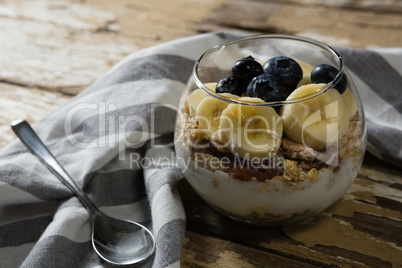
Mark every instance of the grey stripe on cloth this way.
pixel 91 131
pixel 117 187
pixel 69 254
pixel 13 175
pixel 379 84
pixel 115 139
pixel 99 136
pixel 391 151
pixel 12 236
pixel 150 67
pixel 378 74
pixel 172 247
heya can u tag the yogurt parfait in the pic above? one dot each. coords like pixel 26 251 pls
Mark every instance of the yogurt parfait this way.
pixel 271 129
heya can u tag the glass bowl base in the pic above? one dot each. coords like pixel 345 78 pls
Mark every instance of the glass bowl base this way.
pixel 270 220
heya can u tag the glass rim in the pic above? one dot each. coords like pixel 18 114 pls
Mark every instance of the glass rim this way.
pixel 326 87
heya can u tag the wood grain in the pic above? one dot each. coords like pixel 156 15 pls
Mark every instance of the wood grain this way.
pixel 348 23
pixel 62 47
pixel 350 233
pixel 31 104
pixel 203 251
pixel 52 50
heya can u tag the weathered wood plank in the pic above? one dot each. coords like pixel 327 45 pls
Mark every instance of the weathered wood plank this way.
pixel 333 24
pixel 389 6
pixel 70 14
pixel 341 26
pixel 56 58
pixel 31 104
pixel 242 15
pixel 325 242
pixel 206 251
pixel 356 231
pixel 158 21
pixel 64 46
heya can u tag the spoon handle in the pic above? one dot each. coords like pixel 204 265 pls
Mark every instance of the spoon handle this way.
pixel 31 140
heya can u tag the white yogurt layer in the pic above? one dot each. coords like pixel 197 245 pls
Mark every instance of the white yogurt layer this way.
pixel 273 197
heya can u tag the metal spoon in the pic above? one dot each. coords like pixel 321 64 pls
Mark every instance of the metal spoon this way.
pixel 118 242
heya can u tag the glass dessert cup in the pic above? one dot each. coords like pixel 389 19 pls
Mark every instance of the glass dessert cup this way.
pixel 266 160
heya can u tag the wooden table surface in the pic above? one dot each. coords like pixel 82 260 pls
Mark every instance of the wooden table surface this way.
pixel 51 50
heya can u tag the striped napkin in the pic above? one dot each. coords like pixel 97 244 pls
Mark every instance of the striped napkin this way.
pixel 115 139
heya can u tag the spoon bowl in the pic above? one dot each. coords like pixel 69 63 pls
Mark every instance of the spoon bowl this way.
pixel 116 241
pixel 121 242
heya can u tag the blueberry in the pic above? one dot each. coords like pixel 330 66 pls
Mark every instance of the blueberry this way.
pixel 229 85
pixel 246 69
pixel 286 69
pixel 266 87
pixel 325 73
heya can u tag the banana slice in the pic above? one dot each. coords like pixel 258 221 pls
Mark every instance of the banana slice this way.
pixel 250 131
pixel 304 81
pixel 197 96
pixel 307 68
pixel 317 122
pixel 209 112
pixel 194 100
pixel 350 101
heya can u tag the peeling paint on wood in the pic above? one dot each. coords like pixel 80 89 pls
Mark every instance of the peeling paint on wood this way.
pixel 30 103
pixel 51 50
pixel 348 23
pixel 362 229
pixel 61 47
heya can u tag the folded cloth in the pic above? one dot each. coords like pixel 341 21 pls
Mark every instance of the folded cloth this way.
pixel 377 74
pixel 115 139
